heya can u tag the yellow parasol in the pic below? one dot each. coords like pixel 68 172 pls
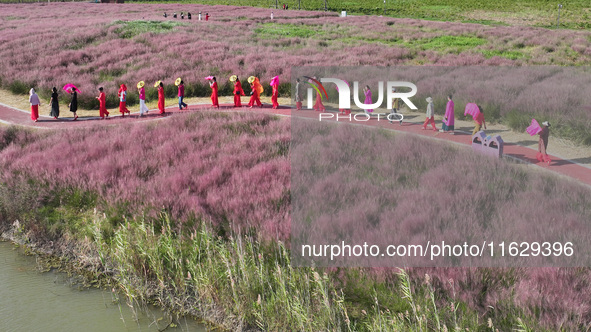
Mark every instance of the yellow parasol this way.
pixel 140 84
pixel 251 79
pixel 157 84
pixel 178 81
pixel 233 78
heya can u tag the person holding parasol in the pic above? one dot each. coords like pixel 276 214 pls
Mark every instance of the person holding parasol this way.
pixel 256 90
pixel 238 91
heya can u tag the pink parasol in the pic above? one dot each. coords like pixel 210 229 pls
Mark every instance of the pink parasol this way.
pixel 534 128
pixel 71 86
pixel 472 109
pixel 274 81
pixel 209 78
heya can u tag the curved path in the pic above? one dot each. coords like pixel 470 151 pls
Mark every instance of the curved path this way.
pixel 14 116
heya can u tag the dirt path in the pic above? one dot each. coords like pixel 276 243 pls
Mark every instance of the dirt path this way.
pixel 567 159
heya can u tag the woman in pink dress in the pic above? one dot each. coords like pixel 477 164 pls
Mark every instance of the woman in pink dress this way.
pixel 449 118
pixel 368 100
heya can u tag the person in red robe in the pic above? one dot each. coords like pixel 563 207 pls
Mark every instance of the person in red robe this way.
pixel 256 90
pixel 238 91
pixel 214 93
pixel 123 100
pixel 102 98
pixel 275 95
pixel 161 98
pixel 319 106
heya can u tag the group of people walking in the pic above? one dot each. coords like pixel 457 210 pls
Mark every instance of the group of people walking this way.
pixel 53 104
pixel 255 85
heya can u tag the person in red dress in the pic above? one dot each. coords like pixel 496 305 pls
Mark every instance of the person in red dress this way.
pixel 319 106
pixel 102 98
pixel 214 93
pixel 256 90
pixel 238 91
pixel 123 100
pixel 161 98
pixel 275 95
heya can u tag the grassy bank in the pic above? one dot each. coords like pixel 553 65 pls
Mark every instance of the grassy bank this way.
pixel 238 283
pixel 194 215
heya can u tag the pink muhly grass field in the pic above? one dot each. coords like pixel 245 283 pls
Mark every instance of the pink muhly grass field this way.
pixel 234 169
pixel 91 45
pixel 230 169
pixel 354 184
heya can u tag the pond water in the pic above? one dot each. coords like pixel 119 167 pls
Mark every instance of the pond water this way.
pixel 35 301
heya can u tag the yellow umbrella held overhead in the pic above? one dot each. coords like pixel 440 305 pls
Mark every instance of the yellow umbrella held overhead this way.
pixel 178 81
pixel 140 84
pixel 157 84
pixel 251 79
pixel 233 78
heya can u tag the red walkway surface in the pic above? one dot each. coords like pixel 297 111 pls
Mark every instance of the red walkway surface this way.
pixel 11 115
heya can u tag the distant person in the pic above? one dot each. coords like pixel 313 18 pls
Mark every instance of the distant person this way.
pixel 174 15
pixel 199 16
pixel 479 122
pixel 123 100
pixel 207 16
pixel 449 117
pixel 275 95
pixel 74 103
pixel 181 96
pixel 214 93
pixel 54 104
pixel 430 115
pixel 283 6
pixel 368 99
pixel 188 16
pixel 182 16
pixel 318 106
pixel 35 102
pixel 286 6
pixel 165 15
pixel 543 143
pixel 238 92
pixel 395 109
pixel 161 98
pixel 298 97
pixel 271 15
pixel 102 98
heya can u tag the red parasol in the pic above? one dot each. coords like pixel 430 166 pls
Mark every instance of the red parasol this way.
pixel 71 86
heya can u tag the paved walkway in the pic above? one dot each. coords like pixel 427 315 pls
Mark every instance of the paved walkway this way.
pixel 13 116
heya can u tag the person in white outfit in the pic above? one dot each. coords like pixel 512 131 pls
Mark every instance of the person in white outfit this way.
pixel 143 107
